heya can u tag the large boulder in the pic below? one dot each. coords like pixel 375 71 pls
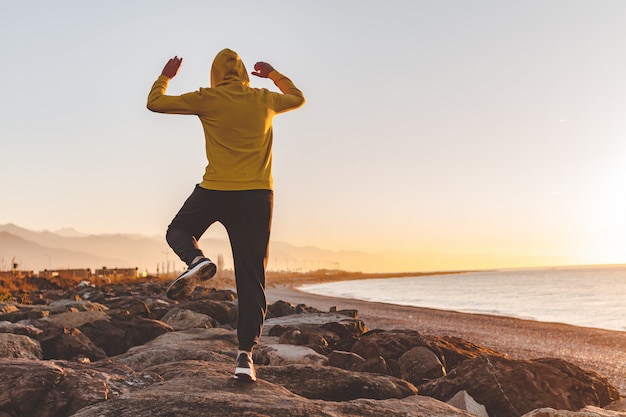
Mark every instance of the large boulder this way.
pixel 390 344
pixel 510 388
pixel 19 346
pixel 60 342
pixel 51 389
pixel 334 384
pixel 117 335
pixel 211 345
pixel 421 365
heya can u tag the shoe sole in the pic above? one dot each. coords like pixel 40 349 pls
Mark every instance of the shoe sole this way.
pixel 243 374
pixel 185 284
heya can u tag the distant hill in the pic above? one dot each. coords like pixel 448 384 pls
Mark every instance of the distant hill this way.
pixel 68 248
pixel 31 256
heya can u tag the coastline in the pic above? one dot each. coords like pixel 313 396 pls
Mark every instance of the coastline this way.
pixel 602 351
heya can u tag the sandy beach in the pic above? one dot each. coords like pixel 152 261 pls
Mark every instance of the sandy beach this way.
pixel 603 351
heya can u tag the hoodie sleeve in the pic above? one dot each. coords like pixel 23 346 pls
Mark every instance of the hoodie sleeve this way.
pixel 158 102
pixel 292 97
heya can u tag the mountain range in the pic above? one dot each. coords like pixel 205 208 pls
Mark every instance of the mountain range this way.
pixel 68 248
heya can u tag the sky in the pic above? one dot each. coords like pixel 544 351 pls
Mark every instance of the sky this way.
pixel 451 134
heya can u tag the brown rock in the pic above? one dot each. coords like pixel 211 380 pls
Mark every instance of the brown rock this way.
pixel 117 335
pixel 18 346
pixel 454 350
pixel 211 345
pixel 376 365
pixel 25 314
pixel 19 328
pixel 344 360
pixel 183 319
pixel 218 310
pixel 390 344
pixel 509 388
pixel 58 342
pixel 53 389
pixel 421 365
pixel 334 384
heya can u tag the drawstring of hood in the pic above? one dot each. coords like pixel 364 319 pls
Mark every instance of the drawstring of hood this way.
pixel 228 68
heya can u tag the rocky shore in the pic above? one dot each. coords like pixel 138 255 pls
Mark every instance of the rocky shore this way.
pixel 126 350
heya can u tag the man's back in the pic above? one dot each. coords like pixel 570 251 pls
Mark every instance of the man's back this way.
pixel 237 122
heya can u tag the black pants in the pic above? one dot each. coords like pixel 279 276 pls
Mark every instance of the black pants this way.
pixel 247 217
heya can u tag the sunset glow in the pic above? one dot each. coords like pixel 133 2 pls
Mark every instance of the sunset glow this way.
pixel 436 135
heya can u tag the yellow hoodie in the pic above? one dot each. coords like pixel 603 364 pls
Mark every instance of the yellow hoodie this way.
pixel 237 122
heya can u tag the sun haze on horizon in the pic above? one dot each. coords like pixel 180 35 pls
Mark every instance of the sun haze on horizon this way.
pixel 444 134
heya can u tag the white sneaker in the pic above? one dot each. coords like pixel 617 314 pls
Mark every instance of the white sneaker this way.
pixel 198 272
pixel 244 369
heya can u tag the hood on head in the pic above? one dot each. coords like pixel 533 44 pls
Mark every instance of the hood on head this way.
pixel 228 68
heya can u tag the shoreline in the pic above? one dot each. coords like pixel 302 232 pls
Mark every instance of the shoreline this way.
pixel 599 350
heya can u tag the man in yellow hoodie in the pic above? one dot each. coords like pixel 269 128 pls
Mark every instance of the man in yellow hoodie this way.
pixel 236 189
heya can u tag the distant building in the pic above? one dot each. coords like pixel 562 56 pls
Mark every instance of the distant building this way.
pixel 116 274
pixel 73 274
pixel 16 273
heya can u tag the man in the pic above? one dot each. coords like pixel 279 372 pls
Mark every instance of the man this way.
pixel 236 189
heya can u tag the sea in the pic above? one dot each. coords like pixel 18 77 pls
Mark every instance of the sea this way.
pixel 587 296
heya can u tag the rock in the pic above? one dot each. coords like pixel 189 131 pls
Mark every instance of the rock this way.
pixel 278 354
pixel 18 346
pixel 619 405
pixel 588 411
pixel 25 314
pixel 283 308
pixel 510 388
pixel 377 365
pixel 60 306
pixel 155 369
pixel 212 345
pixel 218 310
pixel 390 344
pixel 454 350
pixel 117 335
pixel 106 335
pixel 602 412
pixel 19 328
pixel 462 400
pixel 334 384
pixel 182 319
pixel 345 360
pixel 421 365
pixel 50 389
pixel 323 332
pixel 280 309
pixel 58 342
pixel 77 319
pixel 295 320
pixel 7 308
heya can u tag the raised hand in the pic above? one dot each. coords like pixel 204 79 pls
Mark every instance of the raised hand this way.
pixel 171 68
pixel 262 69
